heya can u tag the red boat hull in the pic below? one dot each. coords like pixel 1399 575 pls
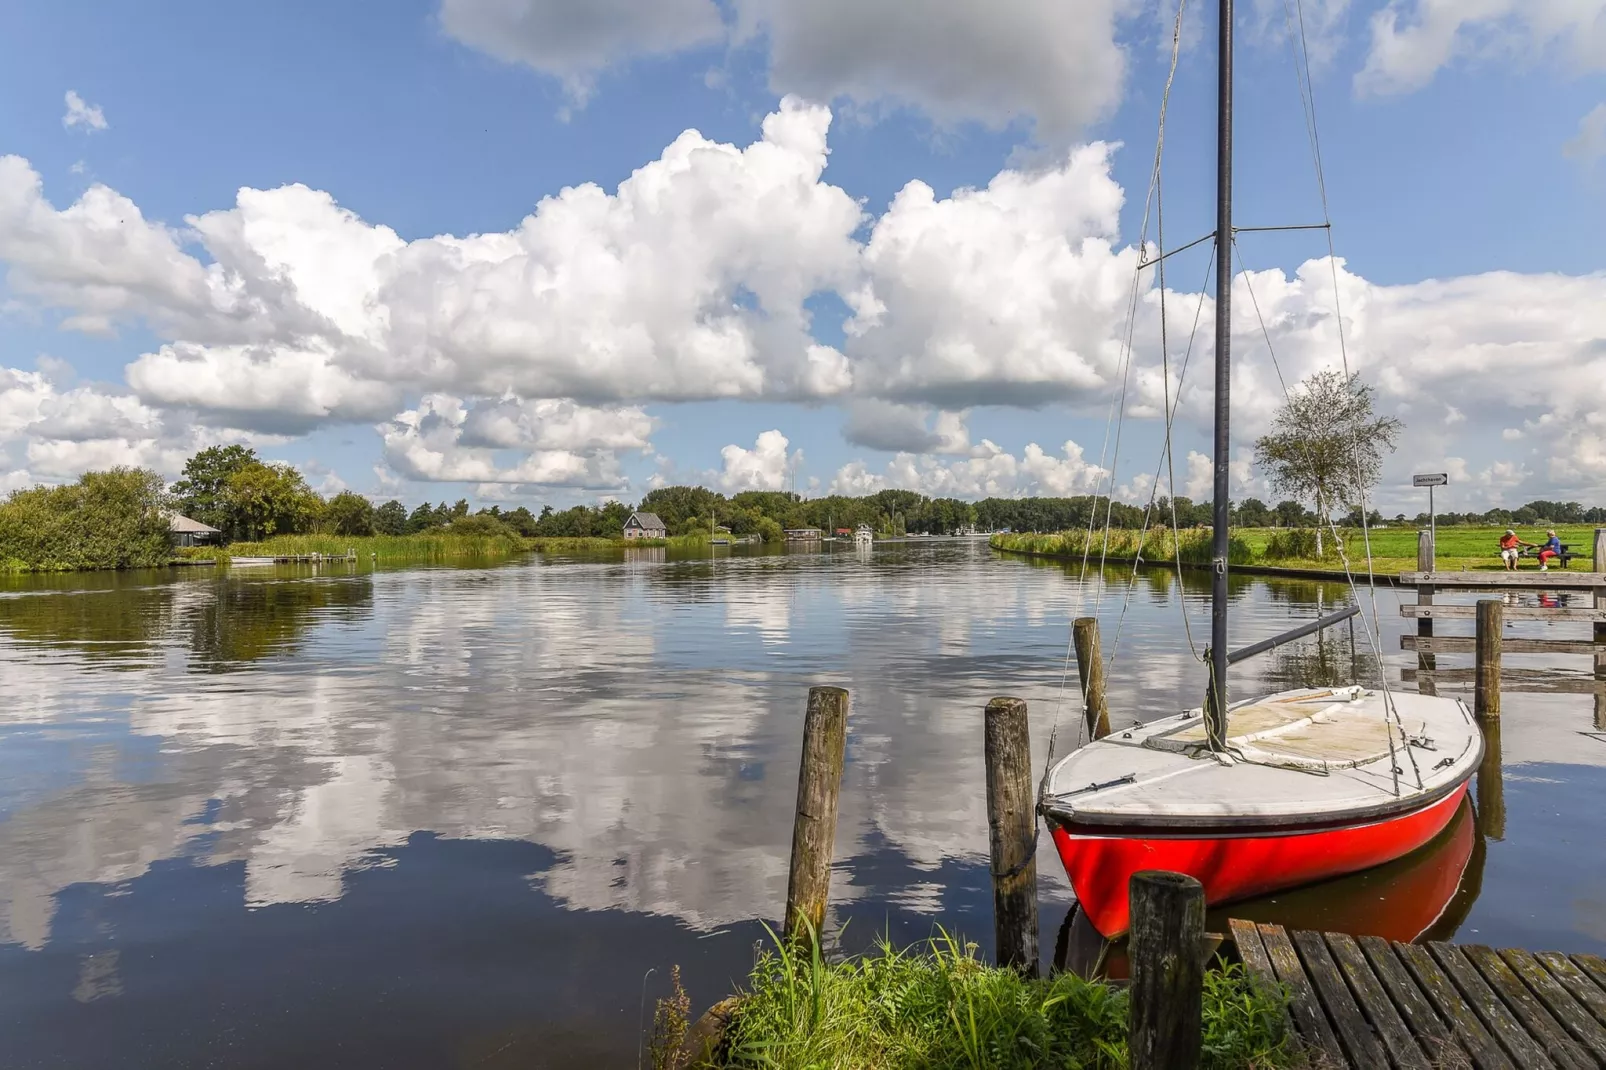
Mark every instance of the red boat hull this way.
pixel 1100 864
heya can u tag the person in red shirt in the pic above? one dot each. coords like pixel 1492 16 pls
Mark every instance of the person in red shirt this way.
pixel 1509 549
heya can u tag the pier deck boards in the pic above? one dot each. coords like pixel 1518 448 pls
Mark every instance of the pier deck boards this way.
pixel 1368 1002
pixel 1501 580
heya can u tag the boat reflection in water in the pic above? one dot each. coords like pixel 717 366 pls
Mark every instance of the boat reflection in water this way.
pixel 1425 895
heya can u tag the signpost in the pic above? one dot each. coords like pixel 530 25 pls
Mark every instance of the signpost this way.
pixel 1431 480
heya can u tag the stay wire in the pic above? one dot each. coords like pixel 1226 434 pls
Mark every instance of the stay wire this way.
pixel 1118 404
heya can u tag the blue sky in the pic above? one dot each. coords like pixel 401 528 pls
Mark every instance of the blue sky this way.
pixel 1453 148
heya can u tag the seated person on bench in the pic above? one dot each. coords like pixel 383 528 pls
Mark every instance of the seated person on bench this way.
pixel 1551 547
pixel 1510 549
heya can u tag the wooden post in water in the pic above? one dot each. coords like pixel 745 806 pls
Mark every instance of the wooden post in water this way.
pixel 1090 667
pixel 1599 564
pixel 1167 964
pixel 1491 619
pixel 1491 785
pixel 1012 833
pixel 819 779
pixel 1425 552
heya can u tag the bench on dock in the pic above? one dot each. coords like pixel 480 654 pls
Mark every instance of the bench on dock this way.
pixel 1565 557
pixel 1368 1002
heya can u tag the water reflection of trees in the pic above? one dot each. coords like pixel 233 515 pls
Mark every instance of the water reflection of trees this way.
pixel 248 619
pixel 1334 657
pixel 225 621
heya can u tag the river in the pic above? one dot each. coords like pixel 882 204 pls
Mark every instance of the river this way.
pixel 434 817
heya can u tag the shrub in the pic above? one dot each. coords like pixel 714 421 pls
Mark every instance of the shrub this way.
pixel 112 519
pixel 1299 544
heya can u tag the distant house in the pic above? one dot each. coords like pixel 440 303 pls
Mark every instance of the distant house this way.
pixel 187 532
pixel 804 534
pixel 645 526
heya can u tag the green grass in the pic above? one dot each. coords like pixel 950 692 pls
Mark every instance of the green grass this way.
pixel 423 547
pixel 941 1007
pixel 1393 548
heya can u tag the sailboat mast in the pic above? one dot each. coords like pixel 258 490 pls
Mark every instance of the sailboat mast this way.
pixel 1216 704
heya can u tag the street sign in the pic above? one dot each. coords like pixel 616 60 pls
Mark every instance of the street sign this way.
pixel 1431 479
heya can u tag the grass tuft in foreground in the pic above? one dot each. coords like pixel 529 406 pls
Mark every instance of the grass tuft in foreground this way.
pixel 939 1006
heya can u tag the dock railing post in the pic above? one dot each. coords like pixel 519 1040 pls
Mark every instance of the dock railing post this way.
pixel 819 780
pixel 1167 964
pixel 1425 662
pixel 1491 619
pixel 1599 565
pixel 1012 833
pixel 1090 667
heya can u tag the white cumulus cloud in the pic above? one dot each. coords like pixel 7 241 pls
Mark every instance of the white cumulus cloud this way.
pixel 764 467
pixel 1413 39
pixel 574 42
pixel 81 113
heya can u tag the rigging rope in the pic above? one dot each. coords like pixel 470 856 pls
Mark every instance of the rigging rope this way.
pixel 1118 404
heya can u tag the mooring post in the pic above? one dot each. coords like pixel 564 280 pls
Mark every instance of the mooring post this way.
pixel 1425 662
pixel 1090 667
pixel 819 779
pixel 1167 964
pixel 1491 785
pixel 1600 630
pixel 1491 619
pixel 1012 833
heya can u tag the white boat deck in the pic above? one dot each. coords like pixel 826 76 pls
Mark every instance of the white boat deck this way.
pixel 1304 756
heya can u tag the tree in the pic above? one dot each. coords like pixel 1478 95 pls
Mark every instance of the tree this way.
pixel 1326 445
pixel 390 518
pixel 1254 514
pixel 203 492
pixel 270 499
pixel 350 514
pixel 112 519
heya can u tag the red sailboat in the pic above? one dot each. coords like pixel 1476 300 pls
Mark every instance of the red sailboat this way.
pixel 1263 794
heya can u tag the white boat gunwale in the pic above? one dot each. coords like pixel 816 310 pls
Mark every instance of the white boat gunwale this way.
pixel 1069 809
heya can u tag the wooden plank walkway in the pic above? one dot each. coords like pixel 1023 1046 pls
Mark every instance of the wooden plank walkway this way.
pixel 1501 580
pixel 1367 1002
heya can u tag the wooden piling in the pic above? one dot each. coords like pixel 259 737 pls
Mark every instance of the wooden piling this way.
pixel 1425 552
pixel 1012 833
pixel 1491 785
pixel 1167 964
pixel 819 779
pixel 1599 565
pixel 1491 621
pixel 1090 667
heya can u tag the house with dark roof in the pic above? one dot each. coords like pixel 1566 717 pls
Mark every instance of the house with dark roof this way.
pixel 645 526
pixel 187 532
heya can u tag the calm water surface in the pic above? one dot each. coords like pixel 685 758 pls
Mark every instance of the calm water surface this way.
pixel 467 817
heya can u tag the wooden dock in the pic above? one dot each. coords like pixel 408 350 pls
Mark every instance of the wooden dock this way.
pixel 295 559
pixel 1366 1002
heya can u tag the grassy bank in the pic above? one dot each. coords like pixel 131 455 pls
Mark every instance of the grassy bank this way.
pixel 423 547
pixel 1393 548
pixel 940 1006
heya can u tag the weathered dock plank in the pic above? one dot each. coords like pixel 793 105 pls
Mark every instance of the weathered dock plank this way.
pixel 1466 1027
pixel 1526 1008
pixel 1572 1016
pixel 1500 579
pixel 1258 964
pixel 1466 644
pixel 1572 614
pixel 1354 1031
pixel 1576 982
pixel 1488 1007
pixel 1527 681
pixel 1306 1009
pixel 1593 965
pixel 1404 1052
pixel 1420 1018
pixel 1367 1002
